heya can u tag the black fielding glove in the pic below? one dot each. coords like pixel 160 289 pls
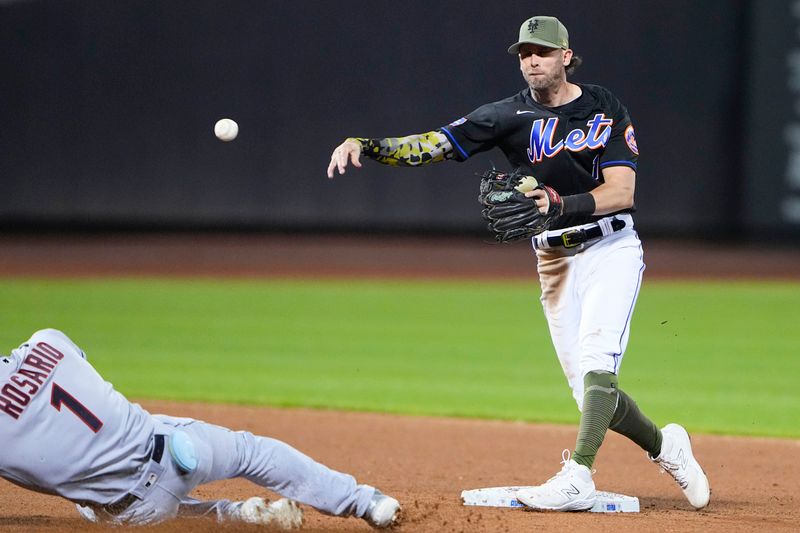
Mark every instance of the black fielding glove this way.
pixel 511 215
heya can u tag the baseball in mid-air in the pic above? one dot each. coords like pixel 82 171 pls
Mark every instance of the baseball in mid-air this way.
pixel 226 129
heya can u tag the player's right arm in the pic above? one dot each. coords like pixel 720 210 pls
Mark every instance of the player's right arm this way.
pixel 476 132
pixel 409 151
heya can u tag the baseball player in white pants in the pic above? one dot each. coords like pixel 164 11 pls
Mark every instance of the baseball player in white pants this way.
pixel 577 140
pixel 67 432
pixel 588 296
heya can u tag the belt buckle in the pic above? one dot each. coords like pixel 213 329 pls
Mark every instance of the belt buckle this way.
pixel 571 239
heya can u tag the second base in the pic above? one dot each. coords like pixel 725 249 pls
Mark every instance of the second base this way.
pixel 607 502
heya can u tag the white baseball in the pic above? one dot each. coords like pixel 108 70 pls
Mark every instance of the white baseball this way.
pixel 527 184
pixel 226 129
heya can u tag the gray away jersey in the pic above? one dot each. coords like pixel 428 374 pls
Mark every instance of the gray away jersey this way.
pixel 65 430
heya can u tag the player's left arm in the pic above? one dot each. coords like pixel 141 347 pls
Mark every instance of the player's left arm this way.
pixel 616 192
pixel 618 165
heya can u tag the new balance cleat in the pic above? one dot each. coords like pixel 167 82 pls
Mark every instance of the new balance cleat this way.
pixel 572 489
pixel 676 458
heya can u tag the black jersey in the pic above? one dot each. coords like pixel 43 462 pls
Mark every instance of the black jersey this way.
pixel 565 147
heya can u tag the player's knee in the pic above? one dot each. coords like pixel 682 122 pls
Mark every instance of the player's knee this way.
pixel 600 382
pixel 600 378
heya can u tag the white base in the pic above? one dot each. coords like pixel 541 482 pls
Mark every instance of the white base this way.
pixel 607 502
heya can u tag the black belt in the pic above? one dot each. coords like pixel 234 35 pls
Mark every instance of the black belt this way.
pixel 576 237
pixel 129 499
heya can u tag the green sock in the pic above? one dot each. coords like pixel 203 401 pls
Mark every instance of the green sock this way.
pixel 629 421
pixel 599 403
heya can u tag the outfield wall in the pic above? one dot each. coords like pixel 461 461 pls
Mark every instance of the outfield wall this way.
pixel 108 108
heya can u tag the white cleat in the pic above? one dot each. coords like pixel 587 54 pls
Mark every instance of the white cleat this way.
pixel 572 489
pixel 383 511
pixel 87 513
pixel 676 458
pixel 281 514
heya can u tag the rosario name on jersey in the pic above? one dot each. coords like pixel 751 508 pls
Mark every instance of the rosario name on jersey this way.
pixel 65 429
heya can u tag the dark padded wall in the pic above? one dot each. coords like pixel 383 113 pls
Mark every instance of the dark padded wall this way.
pixel 771 138
pixel 107 108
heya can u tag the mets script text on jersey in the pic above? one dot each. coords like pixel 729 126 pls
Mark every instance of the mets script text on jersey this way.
pixel 35 369
pixel 542 143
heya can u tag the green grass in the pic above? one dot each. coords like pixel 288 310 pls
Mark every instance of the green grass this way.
pixel 719 357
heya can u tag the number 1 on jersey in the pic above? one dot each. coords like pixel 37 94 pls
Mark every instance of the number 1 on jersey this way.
pixel 60 397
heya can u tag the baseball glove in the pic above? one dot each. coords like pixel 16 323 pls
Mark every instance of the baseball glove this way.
pixel 510 214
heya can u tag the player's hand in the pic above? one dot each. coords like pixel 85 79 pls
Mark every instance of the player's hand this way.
pixel 540 199
pixel 547 200
pixel 348 151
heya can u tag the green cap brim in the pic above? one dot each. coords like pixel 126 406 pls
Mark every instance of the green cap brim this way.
pixel 514 48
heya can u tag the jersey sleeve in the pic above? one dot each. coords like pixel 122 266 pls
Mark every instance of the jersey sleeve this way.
pixel 474 133
pixel 621 149
pixel 59 339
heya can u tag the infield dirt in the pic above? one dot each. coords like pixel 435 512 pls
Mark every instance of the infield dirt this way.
pixel 426 462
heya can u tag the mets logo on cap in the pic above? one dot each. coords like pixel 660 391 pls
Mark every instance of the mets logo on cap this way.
pixel 630 139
